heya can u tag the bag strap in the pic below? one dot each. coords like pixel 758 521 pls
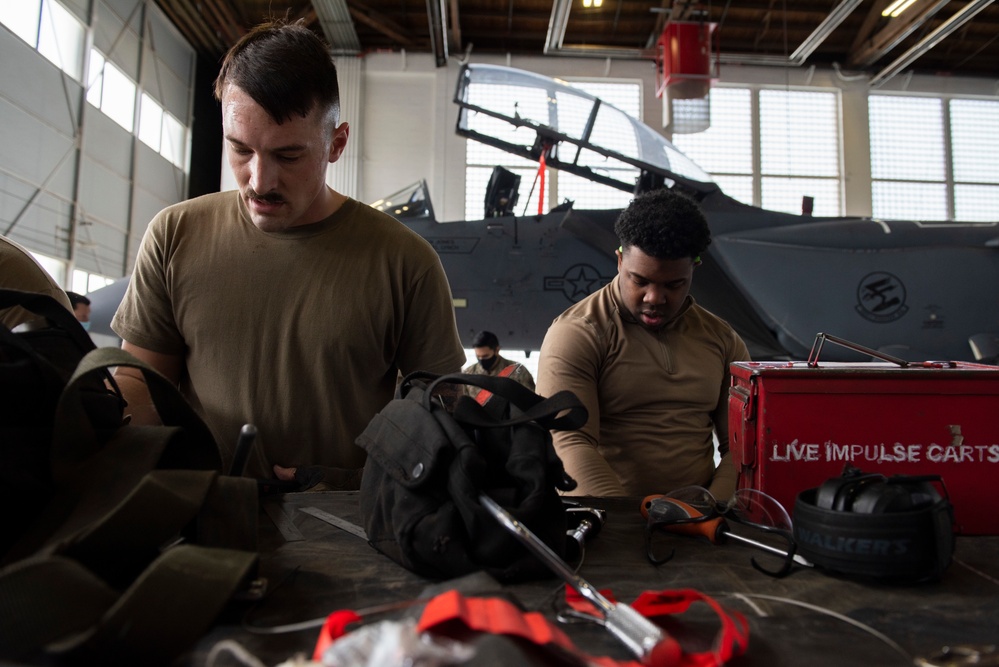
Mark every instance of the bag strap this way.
pixel 50 309
pixel 74 438
pixel 50 374
pixel 483 396
pixel 64 320
pixel 544 411
pixel 57 605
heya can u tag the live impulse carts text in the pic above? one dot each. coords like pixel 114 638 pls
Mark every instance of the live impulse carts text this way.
pixel 883 453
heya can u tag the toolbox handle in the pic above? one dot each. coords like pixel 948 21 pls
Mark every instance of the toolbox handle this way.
pixel 820 339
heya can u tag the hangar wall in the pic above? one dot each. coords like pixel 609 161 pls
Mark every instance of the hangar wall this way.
pixel 76 186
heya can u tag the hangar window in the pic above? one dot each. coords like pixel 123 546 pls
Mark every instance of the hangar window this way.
pixel 974 128
pixel 159 130
pixel 85 282
pixel 111 91
pixel 791 152
pixel 934 158
pixel 908 160
pixel 725 149
pixel 481 158
pixel 51 29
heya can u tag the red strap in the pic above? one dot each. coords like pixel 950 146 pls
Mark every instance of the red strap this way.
pixel 541 181
pixel 451 613
pixel 334 628
pixel 733 636
pixel 484 394
pixel 492 615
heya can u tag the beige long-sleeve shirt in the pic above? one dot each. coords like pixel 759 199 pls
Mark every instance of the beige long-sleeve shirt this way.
pixel 654 398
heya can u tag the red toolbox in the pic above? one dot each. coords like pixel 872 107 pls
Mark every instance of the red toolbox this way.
pixel 793 425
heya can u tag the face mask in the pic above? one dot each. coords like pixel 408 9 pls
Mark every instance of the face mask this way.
pixel 488 363
pixel 86 325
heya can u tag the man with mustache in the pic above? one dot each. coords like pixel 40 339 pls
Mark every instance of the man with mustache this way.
pixel 284 304
pixel 651 366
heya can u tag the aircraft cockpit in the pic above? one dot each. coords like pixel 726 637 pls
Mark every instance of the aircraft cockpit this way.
pixel 410 203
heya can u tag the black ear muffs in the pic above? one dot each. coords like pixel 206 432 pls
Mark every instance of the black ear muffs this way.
pixel 840 493
pixel 897 527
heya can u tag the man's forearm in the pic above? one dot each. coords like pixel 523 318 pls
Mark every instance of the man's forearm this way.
pixel 725 479
pixel 593 474
pixel 140 409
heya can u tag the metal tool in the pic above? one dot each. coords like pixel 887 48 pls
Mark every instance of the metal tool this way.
pixel 641 636
pixel 289 531
pixel 676 516
pixel 334 520
pixel 584 523
pixel 244 444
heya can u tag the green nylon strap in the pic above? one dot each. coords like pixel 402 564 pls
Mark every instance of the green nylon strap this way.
pixel 88 583
pixel 54 605
pixel 74 438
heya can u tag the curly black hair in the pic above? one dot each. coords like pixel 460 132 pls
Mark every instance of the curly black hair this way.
pixel 664 224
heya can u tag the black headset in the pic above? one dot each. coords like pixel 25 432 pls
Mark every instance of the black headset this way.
pixel 898 527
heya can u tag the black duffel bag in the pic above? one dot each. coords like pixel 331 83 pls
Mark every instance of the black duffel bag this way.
pixel 35 366
pixel 426 468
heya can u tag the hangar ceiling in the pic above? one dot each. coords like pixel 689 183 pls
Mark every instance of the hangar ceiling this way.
pixel 930 36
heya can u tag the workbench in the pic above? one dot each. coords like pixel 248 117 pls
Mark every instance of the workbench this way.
pixel 810 617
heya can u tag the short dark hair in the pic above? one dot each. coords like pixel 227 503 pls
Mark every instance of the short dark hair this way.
pixel 76 299
pixel 286 68
pixel 664 224
pixel 485 339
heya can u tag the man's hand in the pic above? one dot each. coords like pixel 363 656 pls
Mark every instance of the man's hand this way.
pixel 320 478
pixel 285 474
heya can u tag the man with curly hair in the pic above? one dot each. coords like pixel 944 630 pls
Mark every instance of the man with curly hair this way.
pixel 651 366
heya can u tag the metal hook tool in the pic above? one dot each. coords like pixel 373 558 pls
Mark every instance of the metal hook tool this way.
pixel 644 639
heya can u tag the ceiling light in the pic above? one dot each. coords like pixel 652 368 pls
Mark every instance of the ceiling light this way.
pixel 897 7
pixel 592 3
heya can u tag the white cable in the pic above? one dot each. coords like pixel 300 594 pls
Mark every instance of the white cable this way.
pixel 759 610
pixel 829 612
pixel 976 571
pixel 281 629
pixel 237 651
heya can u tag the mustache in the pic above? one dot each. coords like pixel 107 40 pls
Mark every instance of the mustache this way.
pixel 269 198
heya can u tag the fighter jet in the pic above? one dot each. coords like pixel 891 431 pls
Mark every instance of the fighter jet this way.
pixel 912 290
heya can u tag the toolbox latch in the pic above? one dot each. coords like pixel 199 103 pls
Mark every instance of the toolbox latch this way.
pixel 742 424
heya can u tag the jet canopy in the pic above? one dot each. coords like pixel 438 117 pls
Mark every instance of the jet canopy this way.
pixel 535 116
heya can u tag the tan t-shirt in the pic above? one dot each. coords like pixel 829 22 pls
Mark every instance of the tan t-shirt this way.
pixel 302 333
pixel 654 398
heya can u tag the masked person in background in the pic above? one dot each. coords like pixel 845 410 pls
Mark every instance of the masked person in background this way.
pixel 650 365
pixel 489 362
pixel 81 308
